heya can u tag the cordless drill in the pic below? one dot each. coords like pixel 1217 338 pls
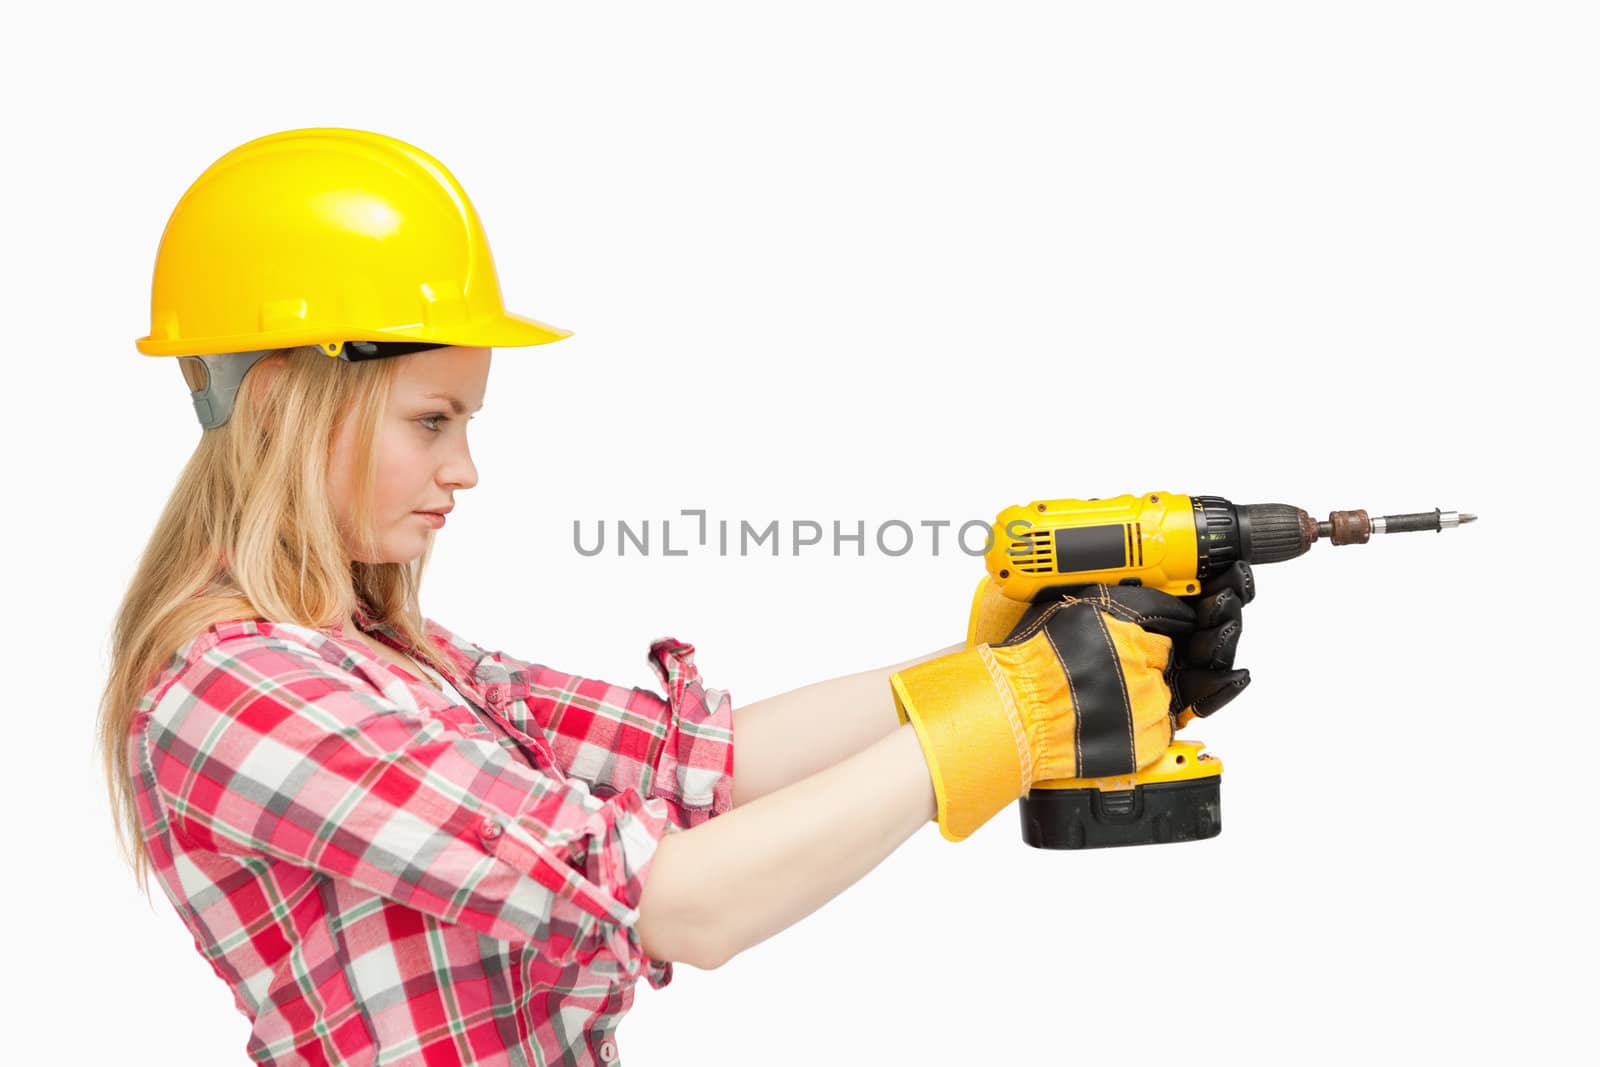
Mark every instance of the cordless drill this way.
pixel 1168 542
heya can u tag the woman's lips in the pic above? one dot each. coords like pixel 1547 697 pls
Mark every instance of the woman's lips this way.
pixel 432 517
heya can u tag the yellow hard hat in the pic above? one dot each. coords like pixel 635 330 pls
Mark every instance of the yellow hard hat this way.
pixel 325 237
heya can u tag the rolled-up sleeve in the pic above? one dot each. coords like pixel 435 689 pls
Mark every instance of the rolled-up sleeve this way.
pixel 677 748
pixel 263 748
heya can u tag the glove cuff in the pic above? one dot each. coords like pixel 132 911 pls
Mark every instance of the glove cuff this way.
pixel 993 614
pixel 972 735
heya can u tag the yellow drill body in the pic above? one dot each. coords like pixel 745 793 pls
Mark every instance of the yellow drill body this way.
pixel 1149 538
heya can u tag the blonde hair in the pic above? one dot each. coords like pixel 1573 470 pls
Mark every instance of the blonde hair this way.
pixel 249 532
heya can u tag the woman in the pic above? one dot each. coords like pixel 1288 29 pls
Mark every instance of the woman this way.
pixel 390 840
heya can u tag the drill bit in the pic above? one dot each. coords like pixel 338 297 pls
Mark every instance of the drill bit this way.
pixel 1356 527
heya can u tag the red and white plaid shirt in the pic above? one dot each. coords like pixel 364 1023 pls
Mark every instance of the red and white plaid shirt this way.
pixel 382 875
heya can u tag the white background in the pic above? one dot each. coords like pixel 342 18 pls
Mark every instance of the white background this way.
pixel 918 261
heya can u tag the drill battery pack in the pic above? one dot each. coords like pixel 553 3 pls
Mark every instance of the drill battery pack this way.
pixel 1178 799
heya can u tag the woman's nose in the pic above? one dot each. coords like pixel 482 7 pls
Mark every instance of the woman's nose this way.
pixel 460 472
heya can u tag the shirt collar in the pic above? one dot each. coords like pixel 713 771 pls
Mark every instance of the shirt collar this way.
pixel 382 631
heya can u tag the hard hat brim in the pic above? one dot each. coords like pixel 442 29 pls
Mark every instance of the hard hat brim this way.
pixel 507 330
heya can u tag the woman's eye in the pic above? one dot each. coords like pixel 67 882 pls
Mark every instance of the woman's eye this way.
pixel 426 419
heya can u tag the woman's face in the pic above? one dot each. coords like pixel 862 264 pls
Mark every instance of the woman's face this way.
pixel 423 460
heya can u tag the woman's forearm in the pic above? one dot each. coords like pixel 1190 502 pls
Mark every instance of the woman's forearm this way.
pixel 734 881
pixel 782 739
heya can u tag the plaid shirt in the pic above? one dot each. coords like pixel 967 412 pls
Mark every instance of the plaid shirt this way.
pixel 382 875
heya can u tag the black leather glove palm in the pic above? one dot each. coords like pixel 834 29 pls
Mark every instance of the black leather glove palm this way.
pixel 1205 678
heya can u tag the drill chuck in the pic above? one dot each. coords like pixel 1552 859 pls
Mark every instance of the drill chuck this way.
pixel 1255 533
pixel 1275 532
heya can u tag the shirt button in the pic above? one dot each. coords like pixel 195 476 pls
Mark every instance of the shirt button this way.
pixel 608 1051
pixel 490 828
pixel 494 694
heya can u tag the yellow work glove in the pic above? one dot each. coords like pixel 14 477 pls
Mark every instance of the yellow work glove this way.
pixel 1076 690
